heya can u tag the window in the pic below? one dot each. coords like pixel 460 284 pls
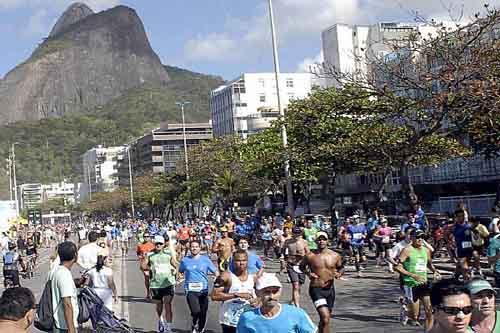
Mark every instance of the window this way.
pixel 262 98
pixel 291 96
pixel 262 83
pixel 289 83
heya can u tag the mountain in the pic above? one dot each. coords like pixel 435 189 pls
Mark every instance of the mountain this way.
pixel 87 60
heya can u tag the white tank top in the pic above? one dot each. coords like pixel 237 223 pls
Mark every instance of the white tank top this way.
pixel 231 310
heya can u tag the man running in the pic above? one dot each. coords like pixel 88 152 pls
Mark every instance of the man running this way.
pixel 142 251
pixel 196 268
pixel 310 235
pixel 255 265
pixel 414 262
pixel 224 248
pixel 183 237
pixel 235 291
pixel 357 233
pixel 294 251
pixel 162 264
pixel 462 232
pixel 323 266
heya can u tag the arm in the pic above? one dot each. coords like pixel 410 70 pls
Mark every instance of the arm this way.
pixel 68 314
pixel 145 263
pixel 112 285
pixel 221 284
pixel 339 267
pixel 430 265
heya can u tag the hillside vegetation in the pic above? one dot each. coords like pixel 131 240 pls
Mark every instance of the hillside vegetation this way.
pixel 50 150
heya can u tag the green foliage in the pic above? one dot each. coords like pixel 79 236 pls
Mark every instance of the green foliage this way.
pixel 51 149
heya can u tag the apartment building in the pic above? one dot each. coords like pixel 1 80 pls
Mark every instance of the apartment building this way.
pixel 249 103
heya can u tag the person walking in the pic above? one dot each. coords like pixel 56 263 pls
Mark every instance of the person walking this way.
pixel 196 268
pixel 102 282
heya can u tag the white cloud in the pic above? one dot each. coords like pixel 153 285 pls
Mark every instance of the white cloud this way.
pixel 305 19
pixel 211 47
pixel 309 65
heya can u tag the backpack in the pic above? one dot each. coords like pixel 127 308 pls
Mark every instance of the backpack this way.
pixel 45 312
pixel 8 258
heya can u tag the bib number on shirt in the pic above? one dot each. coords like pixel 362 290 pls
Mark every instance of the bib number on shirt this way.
pixel 421 266
pixel 195 286
pixel 466 245
pixel 386 239
pixel 163 269
pixel 357 236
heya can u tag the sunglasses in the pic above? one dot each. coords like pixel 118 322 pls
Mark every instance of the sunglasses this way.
pixel 453 310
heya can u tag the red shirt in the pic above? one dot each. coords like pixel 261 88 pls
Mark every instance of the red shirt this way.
pixel 183 233
pixel 144 248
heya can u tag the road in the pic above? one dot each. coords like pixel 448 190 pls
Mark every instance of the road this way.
pixel 362 305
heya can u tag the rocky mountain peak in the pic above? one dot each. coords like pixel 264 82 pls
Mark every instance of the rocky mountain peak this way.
pixel 76 12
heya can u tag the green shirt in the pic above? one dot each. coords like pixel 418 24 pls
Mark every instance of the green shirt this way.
pixel 162 271
pixel 416 263
pixel 496 328
pixel 493 249
pixel 310 237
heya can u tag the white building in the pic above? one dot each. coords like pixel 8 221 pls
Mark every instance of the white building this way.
pixel 30 196
pixel 69 192
pixel 249 103
pixel 349 48
pixel 100 170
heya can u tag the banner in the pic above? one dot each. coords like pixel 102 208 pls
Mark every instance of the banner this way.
pixel 7 214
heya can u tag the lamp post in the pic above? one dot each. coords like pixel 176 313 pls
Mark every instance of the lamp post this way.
pixel 131 183
pixel 9 163
pixel 289 189
pixel 186 160
pixel 14 176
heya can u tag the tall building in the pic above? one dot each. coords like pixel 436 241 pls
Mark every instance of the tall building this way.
pixel 100 170
pixel 161 149
pixel 69 192
pixel 349 48
pixel 249 103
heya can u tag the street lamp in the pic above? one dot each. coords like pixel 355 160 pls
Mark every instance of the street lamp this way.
pixel 14 176
pixel 289 189
pixel 131 184
pixel 186 161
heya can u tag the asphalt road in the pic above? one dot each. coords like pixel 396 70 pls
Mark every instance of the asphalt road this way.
pixel 365 304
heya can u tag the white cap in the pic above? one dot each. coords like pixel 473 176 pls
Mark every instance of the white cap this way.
pixel 159 239
pixel 267 280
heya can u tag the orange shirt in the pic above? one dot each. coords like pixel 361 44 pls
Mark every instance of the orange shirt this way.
pixel 145 248
pixel 183 233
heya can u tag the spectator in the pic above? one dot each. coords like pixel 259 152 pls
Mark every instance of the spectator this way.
pixel 87 255
pixel 452 307
pixel 484 314
pixel 102 282
pixel 272 316
pixel 17 310
pixel 64 293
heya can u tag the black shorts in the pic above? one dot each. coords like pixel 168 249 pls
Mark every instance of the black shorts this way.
pixel 12 275
pixel 183 241
pixel 416 293
pixel 358 250
pixel 467 253
pixel 159 293
pixel 223 264
pixel 294 275
pixel 323 296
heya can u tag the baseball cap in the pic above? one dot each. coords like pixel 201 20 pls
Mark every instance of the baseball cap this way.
pixel 146 235
pixel 476 286
pixel 159 239
pixel 322 234
pixel 267 280
pixel 417 233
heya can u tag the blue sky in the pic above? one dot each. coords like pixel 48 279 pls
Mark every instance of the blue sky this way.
pixel 222 37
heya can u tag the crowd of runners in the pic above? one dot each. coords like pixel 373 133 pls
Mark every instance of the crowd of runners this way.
pixel 226 260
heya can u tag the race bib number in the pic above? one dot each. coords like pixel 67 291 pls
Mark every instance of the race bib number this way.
pixel 421 266
pixel 195 286
pixel 466 245
pixel 163 269
pixel 386 239
pixel 320 302
pixel 357 236
pixel 233 312
pixel 296 268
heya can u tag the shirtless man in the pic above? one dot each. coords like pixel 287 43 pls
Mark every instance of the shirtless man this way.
pixel 287 234
pixel 230 225
pixel 323 266
pixel 294 251
pixel 224 247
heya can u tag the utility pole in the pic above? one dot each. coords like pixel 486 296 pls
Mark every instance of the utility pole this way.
pixel 186 160
pixel 90 184
pixel 14 176
pixel 289 188
pixel 131 184
pixel 9 163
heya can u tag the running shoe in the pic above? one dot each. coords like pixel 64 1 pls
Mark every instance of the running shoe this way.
pixel 161 326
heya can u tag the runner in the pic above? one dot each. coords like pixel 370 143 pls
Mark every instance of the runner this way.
pixel 414 262
pixel 357 233
pixel 266 237
pixel 382 239
pixel 463 242
pixel 294 251
pixel 196 268
pixel 224 248
pixel 287 234
pixel 142 251
pixel 323 266
pixel 161 262
pixel 310 235
pixel 255 265
pixel 183 237
pixel 236 292
pixel 124 237
pixel 479 237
